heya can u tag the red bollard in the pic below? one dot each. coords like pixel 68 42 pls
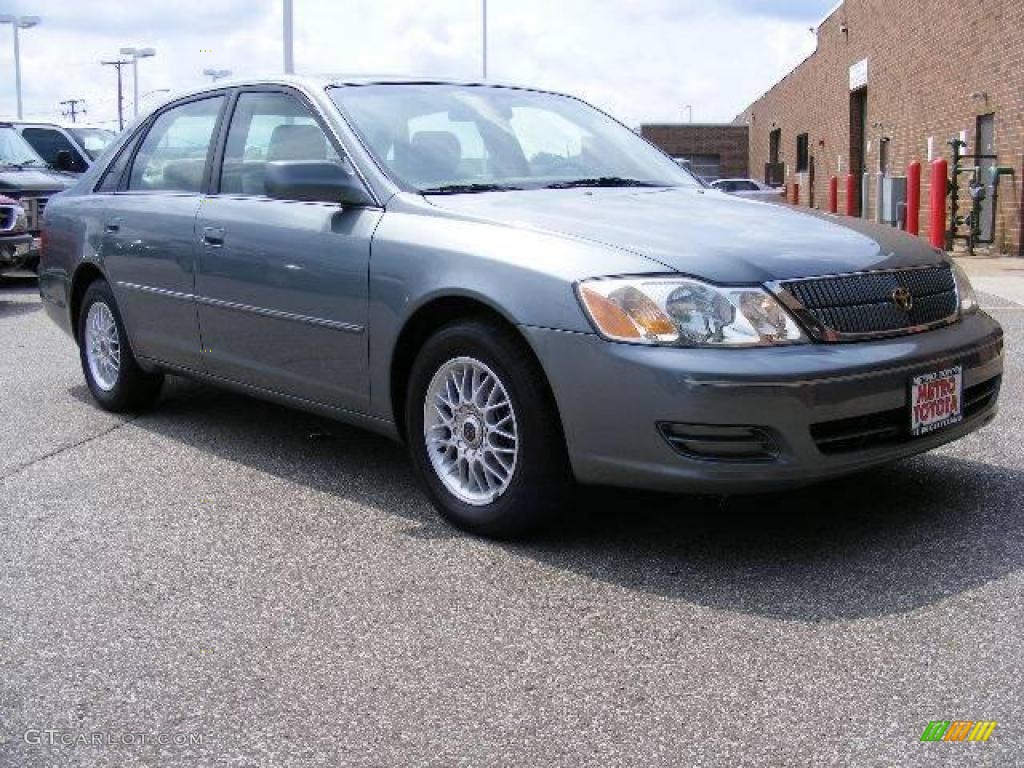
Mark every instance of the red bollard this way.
pixel 937 204
pixel 833 195
pixel 795 193
pixel 913 211
pixel 851 195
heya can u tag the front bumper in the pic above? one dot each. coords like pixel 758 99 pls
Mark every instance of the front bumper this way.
pixel 612 398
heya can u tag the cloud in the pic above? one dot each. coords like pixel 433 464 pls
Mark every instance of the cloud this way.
pixel 642 60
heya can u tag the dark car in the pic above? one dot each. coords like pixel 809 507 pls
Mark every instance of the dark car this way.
pixel 26 178
pixel 517 285
pixel 72 148
pixel 15 239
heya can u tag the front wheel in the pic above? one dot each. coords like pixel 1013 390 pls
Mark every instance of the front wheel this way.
pixel 484 432
pixel 114 377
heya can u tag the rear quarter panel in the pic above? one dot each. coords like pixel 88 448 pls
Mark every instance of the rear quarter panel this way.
pixel 70 228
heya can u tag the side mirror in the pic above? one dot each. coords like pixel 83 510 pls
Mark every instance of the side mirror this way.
pixel 64 161
pixel 314 181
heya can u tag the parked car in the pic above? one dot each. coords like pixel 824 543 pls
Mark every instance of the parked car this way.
pixel 516 285
pixel 15 239
pixel 26 178
pixel 755 190
pixel 71 148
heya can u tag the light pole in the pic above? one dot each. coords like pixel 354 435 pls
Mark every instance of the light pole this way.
pixel 18 22
pixel 689 113
pixel 484 38
pixel 287 31
pixel 216 74
pixel 136 54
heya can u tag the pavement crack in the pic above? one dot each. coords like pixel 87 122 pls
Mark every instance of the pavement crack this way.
pixel 65 449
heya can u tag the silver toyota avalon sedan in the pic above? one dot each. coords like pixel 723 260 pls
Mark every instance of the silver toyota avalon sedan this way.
pixel 513 283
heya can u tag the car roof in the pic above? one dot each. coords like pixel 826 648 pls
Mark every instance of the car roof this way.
pixel 322 81
pixel 10 122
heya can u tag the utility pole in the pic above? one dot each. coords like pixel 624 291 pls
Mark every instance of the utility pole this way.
pixel 120 92
pixel 72 108
pixel 288 32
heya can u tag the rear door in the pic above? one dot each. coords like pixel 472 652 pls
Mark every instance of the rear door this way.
pixel 149 239
pixel 282 286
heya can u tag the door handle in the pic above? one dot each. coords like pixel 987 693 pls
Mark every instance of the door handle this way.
pixel 213 236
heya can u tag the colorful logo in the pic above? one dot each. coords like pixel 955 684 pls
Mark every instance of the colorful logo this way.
pixel 958 730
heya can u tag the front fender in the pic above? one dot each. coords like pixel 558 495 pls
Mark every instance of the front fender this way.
pixel 419 255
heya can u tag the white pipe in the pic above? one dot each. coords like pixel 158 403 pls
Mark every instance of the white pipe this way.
pixel 17 65
pixel 289 58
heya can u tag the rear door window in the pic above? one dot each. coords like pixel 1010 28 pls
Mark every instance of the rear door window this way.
pixel 174 155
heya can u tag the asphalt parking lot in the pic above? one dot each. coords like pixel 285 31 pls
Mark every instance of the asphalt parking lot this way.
pixel 274 590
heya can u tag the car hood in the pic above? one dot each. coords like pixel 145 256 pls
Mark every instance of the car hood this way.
pixel 33 180
pixel 702 232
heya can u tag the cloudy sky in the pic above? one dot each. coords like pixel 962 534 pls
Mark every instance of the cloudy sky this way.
pixel 642 60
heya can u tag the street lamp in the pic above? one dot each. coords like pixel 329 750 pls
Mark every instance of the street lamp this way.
pixel 18 22
pixel 217 74
pixel 136 54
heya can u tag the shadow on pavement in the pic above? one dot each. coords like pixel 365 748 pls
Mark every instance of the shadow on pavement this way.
pixel 15 308
pixel 884 542
pixel 18 287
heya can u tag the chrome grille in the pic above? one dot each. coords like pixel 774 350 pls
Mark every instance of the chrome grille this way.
pixel 863 304
pixel 34 207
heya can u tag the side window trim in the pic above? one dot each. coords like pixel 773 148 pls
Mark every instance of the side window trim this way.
pixel 140 138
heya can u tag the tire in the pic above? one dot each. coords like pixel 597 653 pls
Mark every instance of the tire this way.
pixel 519 484
pixel 119 387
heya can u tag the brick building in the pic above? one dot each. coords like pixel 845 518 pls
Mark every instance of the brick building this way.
pixel 890 82
pixel 714 151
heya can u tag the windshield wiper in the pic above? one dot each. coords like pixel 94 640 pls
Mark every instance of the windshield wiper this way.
pixel 603 181
pixel 20 165
pixel 458 189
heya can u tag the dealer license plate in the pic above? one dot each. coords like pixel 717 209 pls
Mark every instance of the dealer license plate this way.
pixel 936 400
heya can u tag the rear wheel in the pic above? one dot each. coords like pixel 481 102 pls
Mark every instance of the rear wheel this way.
pixel 116 380
pixel 484 432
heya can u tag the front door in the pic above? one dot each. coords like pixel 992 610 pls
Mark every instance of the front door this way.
pixel 148 241
pixel 282 286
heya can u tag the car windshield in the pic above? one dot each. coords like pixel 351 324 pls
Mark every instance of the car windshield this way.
pixel 14 150
pixel 93 140
pixel 452 139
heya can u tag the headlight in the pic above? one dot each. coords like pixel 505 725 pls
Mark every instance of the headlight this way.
pixel 686 313
pixel 15 221
pixel 964 289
